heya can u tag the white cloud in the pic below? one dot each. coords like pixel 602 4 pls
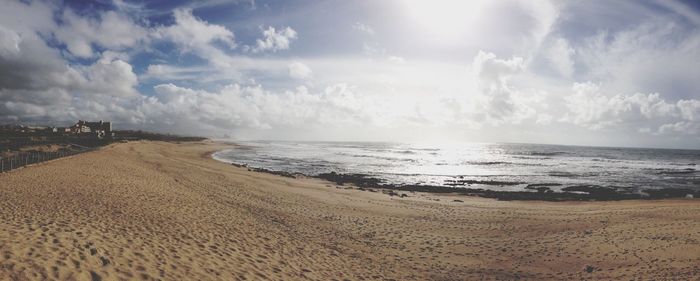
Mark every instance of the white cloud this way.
pixel 110 76
pixel 193 35
pixel 235 106
pixel 560 56
pixel 37 83
pixel 9 42
pixel 26 17
pixel 363 27
pixel 26 62
pixel 110 30
pixel 372 49
pixel 545 15
pixel 274 40
pixel 681 127
pixel 590 108
pixel 298 70
pixel 654 56
pixel 164 72
pixel 544 119
pixel 493 81
pixel 397 59
pixel 690 109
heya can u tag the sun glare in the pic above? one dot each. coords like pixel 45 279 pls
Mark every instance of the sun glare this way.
pixel 444 19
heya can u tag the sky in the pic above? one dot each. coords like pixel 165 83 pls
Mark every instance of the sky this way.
pixel 610 73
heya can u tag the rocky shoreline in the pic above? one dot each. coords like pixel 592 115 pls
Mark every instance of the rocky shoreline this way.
pixel 539 191
pixel 543 191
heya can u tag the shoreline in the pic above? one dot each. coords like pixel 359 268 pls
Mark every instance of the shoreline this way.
pixel 540 192
pixel 157 210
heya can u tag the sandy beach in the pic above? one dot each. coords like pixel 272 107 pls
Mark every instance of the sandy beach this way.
pixel 166 211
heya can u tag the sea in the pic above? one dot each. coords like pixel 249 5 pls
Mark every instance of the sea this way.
pixel 492 166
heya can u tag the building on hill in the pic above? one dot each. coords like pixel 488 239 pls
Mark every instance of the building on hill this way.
pixel 101 128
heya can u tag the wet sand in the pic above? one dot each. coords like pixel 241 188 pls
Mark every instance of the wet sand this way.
pixel 154 210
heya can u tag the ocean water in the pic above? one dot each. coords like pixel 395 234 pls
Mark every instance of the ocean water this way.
pixel 494 166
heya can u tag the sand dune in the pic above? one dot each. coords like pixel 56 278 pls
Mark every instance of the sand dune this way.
pixel 152 210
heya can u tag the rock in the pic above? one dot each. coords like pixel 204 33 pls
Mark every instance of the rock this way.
pixel 670 193
pixel 542 187
pixel 544 191
pixel 593 190
pixel 278 173
pixel 462 182
pixel 360 180
pixel 457 200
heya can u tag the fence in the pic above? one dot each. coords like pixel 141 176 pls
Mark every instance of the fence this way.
pixel 15 143
pixel 27 158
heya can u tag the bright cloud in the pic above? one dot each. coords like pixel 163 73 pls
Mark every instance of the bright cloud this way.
pixel 364 28
pixel 590 108
pixel 494 74
pixel 109 30
pixel 275 40
pixel 193 34
pixel 299 70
